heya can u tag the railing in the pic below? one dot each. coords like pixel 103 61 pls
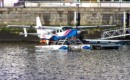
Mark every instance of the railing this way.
pixel 115 33
pixel 64 4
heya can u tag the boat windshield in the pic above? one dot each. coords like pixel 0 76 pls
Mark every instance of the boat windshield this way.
pixel 66 28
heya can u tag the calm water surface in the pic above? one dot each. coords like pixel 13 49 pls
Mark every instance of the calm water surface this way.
pixel 22 61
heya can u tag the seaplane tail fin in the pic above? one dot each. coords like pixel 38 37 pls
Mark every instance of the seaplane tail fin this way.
pixel 38 22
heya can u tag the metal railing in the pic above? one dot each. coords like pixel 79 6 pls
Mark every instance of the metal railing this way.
pixel 115 33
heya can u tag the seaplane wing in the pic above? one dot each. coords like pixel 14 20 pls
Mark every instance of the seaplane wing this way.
pixel 100 26
pixel 25 34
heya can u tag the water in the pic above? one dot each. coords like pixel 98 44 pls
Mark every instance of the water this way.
pixel 22 61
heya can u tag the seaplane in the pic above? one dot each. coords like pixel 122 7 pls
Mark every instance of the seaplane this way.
pixel 48 33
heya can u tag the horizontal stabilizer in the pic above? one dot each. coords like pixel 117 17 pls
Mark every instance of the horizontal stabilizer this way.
pixel 19 26
pixel 35 34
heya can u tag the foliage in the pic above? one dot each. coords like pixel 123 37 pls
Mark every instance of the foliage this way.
pixel 15 30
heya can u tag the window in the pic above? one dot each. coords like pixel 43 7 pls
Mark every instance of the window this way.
pixel 60 30
pixel 66 28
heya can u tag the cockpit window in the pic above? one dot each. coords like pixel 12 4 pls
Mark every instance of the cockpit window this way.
pixel 66 28
pixel 57 31
pixel 60 30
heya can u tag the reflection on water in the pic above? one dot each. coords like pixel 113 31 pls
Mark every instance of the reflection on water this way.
pixel 22 61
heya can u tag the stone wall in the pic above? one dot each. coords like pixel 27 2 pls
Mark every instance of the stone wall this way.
pixel 62 16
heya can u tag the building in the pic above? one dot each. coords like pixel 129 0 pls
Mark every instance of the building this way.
pixel 66 3
pixel 9 3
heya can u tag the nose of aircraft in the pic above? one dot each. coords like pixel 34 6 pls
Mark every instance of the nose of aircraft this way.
pixel 78 32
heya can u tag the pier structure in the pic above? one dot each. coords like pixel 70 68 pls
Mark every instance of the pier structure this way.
pixel 117 33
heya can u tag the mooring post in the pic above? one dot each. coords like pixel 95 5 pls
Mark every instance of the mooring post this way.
pixel 127 19
pixel 124 23
pixel 75 18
